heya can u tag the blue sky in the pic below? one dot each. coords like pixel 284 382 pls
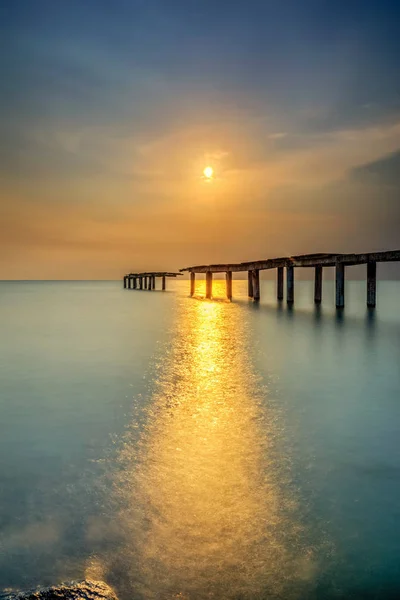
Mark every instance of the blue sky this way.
pixel 111 110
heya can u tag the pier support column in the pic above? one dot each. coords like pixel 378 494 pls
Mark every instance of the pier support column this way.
pixel 209 279
pixel 130 283
pixel 250 283
pixel 134 283
pixel 290 284
pixel 153 282
pixel 125 283
pixel 163 283
pixel 318 285
pixel 140 283
pixel 339 285
pixel 279 283
pixel 371 284
pixel 256 285
pixel 192 283
pixel 229 285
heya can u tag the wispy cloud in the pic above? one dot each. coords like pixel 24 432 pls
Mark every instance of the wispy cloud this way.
pixel 383 171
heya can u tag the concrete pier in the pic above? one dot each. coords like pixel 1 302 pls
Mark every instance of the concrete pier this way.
pixel 192 283
pixel 340 279
pixel 290 284
pixel 256 285
pixel 229 285
pixel 318 285
pixel 371 284
pixel 250 284
pixel 315 261
pixel 147 281
pixel 279 283
pixel 209 280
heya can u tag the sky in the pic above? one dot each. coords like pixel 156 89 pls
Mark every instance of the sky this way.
pixel 110 111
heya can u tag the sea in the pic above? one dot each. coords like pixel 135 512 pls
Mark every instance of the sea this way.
pixel 184 448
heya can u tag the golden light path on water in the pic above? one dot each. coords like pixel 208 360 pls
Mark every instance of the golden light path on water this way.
pixel 203 513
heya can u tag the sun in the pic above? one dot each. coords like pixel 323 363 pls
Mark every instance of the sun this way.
pixel 208 172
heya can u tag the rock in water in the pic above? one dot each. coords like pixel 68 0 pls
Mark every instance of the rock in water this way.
pixel 84 590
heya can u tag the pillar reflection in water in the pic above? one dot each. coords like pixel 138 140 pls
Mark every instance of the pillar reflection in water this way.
pixel 203 513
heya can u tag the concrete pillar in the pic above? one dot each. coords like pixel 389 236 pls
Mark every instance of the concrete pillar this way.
pixel 140 283
pixel 339 285
pixel 256 285
pixel 146 282
pixel 209 278
pixel 279 283
pixel 229 285
pixel 250 283
pixel 290 284
pixel 125 282
pixel 371 284
pixel 163 282
pixel 318 285
pixel 130 283
pixel 134 283
pixel 153 282
pixel 192 283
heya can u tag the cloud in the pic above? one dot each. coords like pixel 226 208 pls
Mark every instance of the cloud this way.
pixel 277 136
pixel 384 171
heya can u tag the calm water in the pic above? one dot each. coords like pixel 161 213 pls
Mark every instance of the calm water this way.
pixel 192 449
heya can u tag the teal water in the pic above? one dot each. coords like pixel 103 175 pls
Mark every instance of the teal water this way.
pixel 184 448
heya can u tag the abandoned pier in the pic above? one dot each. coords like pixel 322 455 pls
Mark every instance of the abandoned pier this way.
pixel 315 261
pixel 147 280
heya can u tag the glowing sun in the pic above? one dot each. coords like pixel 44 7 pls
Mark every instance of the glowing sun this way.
pixel 208 172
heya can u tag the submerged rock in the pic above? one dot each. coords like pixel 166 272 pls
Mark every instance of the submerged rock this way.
pixel 84 590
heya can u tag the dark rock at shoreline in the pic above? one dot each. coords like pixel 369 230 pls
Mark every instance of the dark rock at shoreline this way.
pixel 84 590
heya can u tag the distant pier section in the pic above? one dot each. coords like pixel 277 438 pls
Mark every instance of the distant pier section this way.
pixel 316 261
pixel 147 281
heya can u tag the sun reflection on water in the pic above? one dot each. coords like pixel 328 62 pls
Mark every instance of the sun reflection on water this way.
pixel 203 512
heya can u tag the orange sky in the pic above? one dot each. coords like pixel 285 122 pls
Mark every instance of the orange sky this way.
pixel 104 146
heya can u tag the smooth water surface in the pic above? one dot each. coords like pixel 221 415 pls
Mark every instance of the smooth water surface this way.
pixel 183 448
